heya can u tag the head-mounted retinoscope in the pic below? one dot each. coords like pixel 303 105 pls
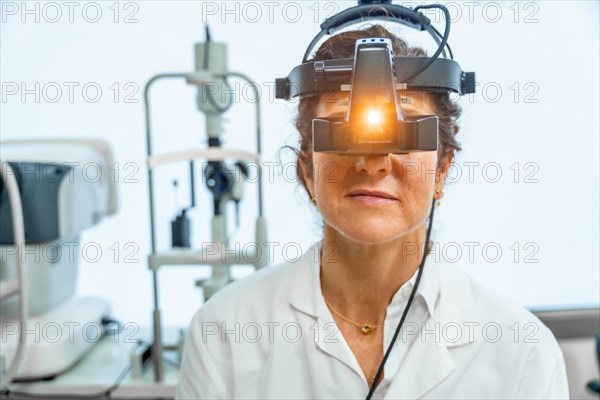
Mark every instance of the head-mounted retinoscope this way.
pixel 374 122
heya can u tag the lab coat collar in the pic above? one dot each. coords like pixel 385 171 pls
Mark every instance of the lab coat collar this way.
pixel 428 360
pixel 438 281
pixel 305 294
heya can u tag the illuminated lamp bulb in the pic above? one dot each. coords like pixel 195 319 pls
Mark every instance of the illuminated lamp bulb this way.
pixel 374 117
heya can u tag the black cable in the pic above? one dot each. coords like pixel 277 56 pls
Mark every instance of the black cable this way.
pixel 442 44
pixel 99 395
pixel 410 300
pixel 207 31
pixel 447 44
pixel 105 393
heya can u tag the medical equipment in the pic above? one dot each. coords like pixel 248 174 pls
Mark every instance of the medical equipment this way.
pixel 374 122
pixel 595 384
pixel 224 175
pixel 50 192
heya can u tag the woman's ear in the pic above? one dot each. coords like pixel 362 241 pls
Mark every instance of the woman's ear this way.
pixel 444 167
pixel 307 176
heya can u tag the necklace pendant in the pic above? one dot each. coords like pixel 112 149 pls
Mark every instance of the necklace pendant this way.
pixel 366 329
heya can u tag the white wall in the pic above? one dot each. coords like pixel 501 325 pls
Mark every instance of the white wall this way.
pixel 548 50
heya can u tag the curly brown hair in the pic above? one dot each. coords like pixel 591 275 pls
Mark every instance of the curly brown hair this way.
pixel 343 46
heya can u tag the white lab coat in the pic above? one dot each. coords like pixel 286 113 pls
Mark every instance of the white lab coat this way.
pixel 271 335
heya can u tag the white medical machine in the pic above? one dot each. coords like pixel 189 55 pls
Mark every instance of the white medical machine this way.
pixel 50 192
pixel 53 190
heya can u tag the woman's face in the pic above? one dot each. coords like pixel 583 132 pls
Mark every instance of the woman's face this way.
pixel 375 199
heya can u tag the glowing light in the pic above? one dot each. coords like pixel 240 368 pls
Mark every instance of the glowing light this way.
pixel 374 117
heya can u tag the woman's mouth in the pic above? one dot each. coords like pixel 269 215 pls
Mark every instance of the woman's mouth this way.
pixel 371 197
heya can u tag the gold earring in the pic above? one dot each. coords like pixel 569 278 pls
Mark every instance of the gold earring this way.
pixel 314 200
pixel 440 193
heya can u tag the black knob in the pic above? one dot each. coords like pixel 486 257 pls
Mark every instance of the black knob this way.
pixel 369 2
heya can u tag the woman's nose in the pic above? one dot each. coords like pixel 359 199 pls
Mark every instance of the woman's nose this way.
pixel 374 164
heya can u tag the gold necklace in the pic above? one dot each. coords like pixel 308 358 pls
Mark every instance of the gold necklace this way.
pixel 365 328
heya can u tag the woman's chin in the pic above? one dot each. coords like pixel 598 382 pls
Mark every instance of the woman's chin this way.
pixel 372 231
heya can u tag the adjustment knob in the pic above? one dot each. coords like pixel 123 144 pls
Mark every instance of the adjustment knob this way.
pixel 369 2
pixel 319 70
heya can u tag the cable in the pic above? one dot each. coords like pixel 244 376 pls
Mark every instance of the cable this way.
pixel 207 31
pixel 442 44
pixel 99 395
pixel 447 44
pixel 105 393
pixel 410 299
pixel 430 28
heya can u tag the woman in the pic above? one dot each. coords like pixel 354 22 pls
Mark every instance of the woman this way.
pixel 318 327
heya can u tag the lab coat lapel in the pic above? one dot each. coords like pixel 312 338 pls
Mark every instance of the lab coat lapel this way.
pixel 428 361
pixel 425 365
pixel 332 341
pixel 305 296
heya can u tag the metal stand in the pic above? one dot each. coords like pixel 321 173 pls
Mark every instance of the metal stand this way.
pixel 223 259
